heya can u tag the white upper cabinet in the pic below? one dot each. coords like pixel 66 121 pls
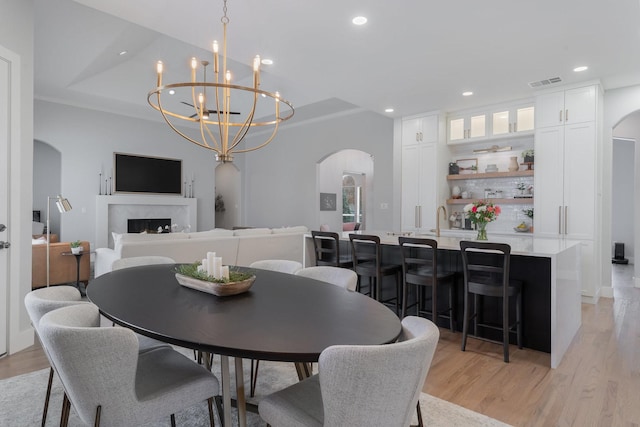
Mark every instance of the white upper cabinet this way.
pixel 512 119
pixel 467 126
pixel 566 107
pixel 498 121
pixel 419 130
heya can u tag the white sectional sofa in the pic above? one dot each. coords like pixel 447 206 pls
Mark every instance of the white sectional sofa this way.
pixel 236 247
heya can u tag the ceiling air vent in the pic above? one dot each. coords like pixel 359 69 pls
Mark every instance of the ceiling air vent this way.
pixel 545 82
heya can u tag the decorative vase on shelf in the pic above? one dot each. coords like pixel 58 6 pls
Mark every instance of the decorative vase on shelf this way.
pixel 513 164
pixel 482 230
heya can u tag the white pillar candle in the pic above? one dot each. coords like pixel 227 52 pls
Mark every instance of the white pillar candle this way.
pixel 210 263
pixel 205 266
pixel 217 269
pixel 201 268
pixel 225 272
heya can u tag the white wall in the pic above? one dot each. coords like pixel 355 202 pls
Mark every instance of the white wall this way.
pixel 87 139
pixel 46 182
pixel 16 34
pixel 280 179
pixel 623 195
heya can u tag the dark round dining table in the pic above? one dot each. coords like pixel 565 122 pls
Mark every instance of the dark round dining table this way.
pixel 282 317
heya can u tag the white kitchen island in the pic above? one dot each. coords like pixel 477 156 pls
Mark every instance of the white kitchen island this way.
pixel 550 269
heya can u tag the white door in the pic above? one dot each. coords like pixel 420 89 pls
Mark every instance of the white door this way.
pixel 5 99
pixel 579 180
pixel 548 181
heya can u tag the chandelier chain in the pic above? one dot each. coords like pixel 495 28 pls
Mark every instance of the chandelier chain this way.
pixel 225 18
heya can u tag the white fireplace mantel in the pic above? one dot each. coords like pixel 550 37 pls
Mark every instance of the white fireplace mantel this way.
pixel 111 212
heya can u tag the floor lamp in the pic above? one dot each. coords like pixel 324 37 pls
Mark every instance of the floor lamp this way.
pixel 63 205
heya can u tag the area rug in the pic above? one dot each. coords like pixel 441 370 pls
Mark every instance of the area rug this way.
pixel 22 397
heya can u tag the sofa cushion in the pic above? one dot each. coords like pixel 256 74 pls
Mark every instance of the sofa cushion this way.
pixel 252 231
pixel 218 232
pixel 285 230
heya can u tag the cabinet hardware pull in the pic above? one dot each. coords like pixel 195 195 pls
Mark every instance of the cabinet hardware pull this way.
pixel 566 208
pixel 515 127
pixel 510 127
pixel 420 218
pixel 561 116
pixel 566 115
pixel 559 219
pixel 416 215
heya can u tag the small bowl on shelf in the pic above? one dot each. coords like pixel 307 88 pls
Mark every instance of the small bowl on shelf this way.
pixel 521 229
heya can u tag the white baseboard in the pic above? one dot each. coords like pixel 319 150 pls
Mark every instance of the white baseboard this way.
pixel 606 292
pixel 21 340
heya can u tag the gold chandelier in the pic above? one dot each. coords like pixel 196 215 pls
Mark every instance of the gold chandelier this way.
pixel 220 129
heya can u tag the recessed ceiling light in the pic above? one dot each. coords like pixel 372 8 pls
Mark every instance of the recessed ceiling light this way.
pixel 267 61
pixel 172 92
pixel 467 93
pixel 359 20
pixel 124 52
pixel 582 68
pixel 388 110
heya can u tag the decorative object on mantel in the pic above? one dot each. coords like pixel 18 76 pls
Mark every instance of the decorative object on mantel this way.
pixel 76 247
pixel 481 213
pixel 221 120
pixel 212 277
pixel 491 168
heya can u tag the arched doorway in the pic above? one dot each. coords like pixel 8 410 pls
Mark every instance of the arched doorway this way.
pixel 619 104
pixel 345 166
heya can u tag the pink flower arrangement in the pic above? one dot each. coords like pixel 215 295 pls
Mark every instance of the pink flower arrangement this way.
pixel 482 211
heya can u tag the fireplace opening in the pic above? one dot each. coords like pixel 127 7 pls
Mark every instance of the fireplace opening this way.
pixel 148 225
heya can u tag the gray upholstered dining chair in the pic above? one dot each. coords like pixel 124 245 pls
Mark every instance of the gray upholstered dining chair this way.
pixel 377 385
pixel 41 301
pixel 342 277
pixel 38 303
pixel 140 260
pixel 281 265
pixel 108 382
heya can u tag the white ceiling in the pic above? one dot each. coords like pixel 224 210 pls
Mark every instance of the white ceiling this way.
pixel 412 55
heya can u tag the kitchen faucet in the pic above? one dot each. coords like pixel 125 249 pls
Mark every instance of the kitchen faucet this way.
pixel 444 210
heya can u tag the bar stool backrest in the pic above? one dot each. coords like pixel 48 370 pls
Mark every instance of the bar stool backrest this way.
pixel 486 260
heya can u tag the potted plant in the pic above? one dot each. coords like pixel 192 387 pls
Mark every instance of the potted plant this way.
pixel 527 155
pixel 76 247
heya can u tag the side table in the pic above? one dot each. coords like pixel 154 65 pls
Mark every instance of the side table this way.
pixel 78 256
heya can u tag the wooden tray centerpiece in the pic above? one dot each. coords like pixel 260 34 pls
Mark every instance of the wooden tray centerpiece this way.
pixel 191 276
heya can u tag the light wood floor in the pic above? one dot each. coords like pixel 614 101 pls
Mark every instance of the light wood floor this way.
pixel 597 383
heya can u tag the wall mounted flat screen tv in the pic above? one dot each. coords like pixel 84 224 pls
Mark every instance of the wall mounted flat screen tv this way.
pixel 143 174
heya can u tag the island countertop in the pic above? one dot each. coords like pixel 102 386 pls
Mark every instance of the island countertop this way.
pixel 527 245
pixel 549 268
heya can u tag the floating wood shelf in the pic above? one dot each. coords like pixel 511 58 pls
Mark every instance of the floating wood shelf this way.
pixel 519 201
pixel 490 175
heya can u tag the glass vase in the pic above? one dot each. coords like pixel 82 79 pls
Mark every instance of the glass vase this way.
pixel 482 231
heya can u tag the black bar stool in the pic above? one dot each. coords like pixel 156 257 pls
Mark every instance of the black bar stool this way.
pixel 327 250
pixel 367 262
pixel 420 269
pixel 486 274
